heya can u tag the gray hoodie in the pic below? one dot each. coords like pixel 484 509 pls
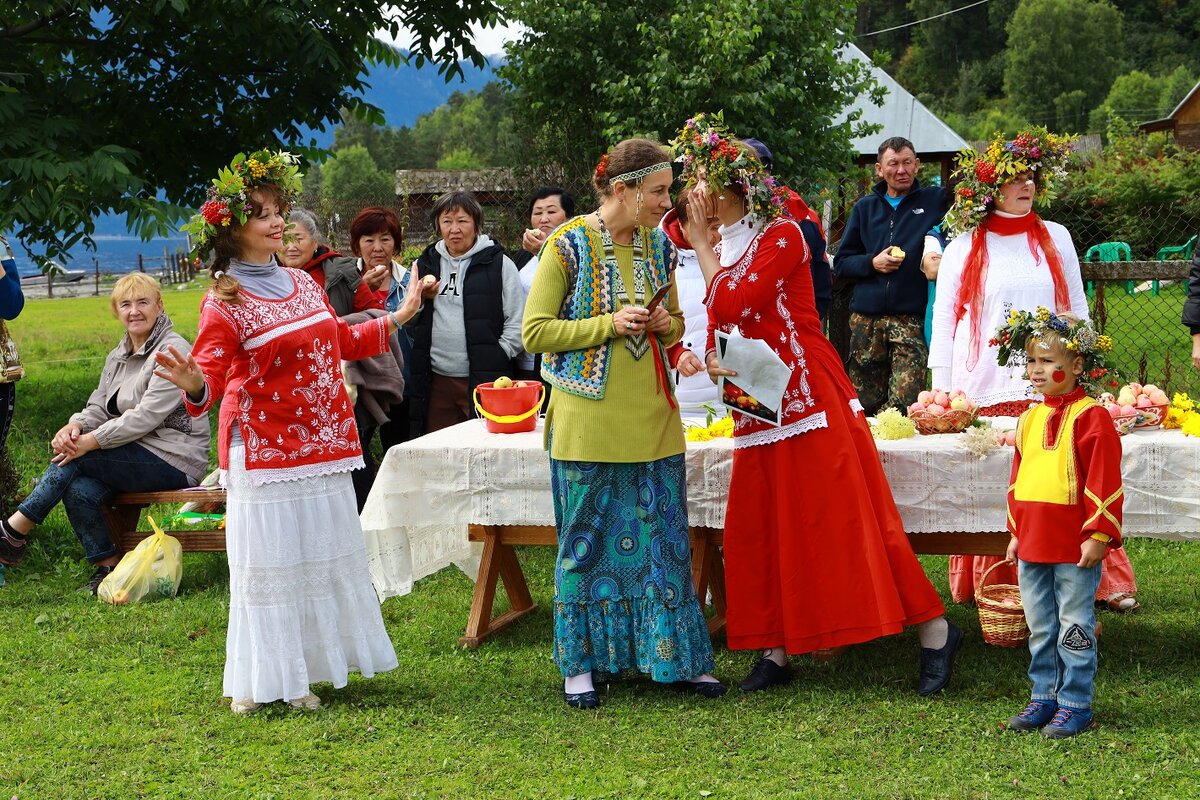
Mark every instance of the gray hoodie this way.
pixel 448 350
pixel 132 405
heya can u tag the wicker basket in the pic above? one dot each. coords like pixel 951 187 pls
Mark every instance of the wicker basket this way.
pixel 1001 615
pixel 953 421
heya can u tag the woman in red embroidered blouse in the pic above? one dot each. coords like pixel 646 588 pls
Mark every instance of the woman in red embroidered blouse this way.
pixel 815 551
pixel 302 609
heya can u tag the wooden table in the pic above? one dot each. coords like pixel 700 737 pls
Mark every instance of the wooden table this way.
pixel 464 496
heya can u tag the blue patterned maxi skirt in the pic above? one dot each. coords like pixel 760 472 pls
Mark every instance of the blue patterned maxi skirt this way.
pixel 623 595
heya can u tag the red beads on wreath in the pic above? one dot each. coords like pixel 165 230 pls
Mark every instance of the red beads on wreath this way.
pixel 214 212
pixel 985 172
pixel 602 167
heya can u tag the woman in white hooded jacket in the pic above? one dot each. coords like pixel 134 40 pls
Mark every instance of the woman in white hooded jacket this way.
pixel 469 330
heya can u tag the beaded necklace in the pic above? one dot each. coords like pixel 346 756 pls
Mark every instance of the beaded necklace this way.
pixel 636 343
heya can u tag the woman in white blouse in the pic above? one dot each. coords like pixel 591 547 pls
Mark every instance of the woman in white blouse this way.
pixel 1010 259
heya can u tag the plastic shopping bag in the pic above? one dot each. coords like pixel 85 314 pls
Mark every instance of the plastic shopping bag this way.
pixel 150 570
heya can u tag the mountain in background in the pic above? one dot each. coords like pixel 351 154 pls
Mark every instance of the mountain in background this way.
pixel 407 92
pixel 402 93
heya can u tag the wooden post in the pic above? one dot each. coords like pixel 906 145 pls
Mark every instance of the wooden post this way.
pixel 97 262
pixel 50 283
pixel 141 266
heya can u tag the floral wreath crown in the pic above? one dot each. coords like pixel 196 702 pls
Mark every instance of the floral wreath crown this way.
pixel 705 145
pixel 981 175
pixel 1081 339
pixel 228 197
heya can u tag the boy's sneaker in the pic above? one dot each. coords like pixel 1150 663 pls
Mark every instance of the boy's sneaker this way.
pixel 1069 722
pixel 93 584
pixel 1036 715
pixel 12 548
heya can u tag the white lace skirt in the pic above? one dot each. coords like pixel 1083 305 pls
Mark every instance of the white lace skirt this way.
pixel 301 607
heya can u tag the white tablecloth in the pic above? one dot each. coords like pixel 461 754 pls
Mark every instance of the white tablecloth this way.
pixel 428 490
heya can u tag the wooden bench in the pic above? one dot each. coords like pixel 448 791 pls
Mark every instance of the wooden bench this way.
pixel 499 562
pixel 123 511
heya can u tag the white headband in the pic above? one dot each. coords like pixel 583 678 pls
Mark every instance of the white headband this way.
pixel 629 177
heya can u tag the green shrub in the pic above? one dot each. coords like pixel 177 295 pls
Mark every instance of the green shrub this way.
pixel 1142 190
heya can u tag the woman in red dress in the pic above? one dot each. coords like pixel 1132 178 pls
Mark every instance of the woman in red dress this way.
pixel 815 551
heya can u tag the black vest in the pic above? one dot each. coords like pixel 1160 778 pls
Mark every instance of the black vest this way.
pixel 483 320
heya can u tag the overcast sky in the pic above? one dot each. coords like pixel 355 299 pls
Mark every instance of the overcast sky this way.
pixel 490 41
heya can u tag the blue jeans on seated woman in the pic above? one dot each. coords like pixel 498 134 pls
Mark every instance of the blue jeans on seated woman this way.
pixel 87 483
pixel 1060 610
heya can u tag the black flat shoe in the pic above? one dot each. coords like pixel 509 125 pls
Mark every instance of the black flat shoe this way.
pixel 766 673
pixel 710 690
pixel 936 665
pixel 582 700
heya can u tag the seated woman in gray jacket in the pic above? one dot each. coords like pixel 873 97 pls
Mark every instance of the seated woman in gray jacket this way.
pixel 132 436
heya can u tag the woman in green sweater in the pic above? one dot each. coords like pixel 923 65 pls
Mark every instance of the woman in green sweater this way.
pixel 623 596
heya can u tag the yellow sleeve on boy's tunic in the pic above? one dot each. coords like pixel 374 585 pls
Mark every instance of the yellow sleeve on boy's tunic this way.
pixel 634 422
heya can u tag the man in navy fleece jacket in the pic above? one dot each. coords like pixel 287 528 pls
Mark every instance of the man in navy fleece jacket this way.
pixel 881 252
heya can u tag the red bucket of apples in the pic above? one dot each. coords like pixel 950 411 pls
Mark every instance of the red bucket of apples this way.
pixel 509 406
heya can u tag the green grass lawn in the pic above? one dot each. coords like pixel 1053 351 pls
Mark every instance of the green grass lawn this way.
pixel 117 702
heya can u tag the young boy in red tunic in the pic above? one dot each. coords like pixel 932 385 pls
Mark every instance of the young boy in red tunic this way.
pixel 1064 512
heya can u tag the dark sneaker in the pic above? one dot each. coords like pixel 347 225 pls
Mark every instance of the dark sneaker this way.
pixel 766 673
pixel 12 548
pixel 1069 722
pixel 936 665
pixel 582 700
pixel 93 584
pixel 1036 715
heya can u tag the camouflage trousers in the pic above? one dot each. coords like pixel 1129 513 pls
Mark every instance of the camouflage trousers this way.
pixel 888 360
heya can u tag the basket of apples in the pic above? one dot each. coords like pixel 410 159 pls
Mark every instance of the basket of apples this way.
pixel 937 411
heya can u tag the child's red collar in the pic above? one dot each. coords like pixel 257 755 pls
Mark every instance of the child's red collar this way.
pixel 1056 400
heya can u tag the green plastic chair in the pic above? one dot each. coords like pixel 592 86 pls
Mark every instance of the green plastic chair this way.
pixel 1184 250
pixel 1110 251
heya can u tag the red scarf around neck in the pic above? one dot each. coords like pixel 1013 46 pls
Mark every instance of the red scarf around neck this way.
pixel 970 288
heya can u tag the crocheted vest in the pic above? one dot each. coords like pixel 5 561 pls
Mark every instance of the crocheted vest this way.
pixel 591 294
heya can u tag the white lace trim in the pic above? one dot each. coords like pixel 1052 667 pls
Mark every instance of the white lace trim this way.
pixel 771 435
pixel 855 406
pixel 261 476
pixel 318 315
pixel 984 399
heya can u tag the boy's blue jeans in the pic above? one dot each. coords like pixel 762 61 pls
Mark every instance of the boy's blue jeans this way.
pixel 1058 601
pixel 86 484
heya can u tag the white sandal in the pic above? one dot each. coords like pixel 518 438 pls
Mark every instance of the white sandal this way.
pixel 244 707
pixel 310 702
pixel 1123 603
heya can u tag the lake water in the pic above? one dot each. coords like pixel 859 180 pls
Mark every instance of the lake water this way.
pixel 115 254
